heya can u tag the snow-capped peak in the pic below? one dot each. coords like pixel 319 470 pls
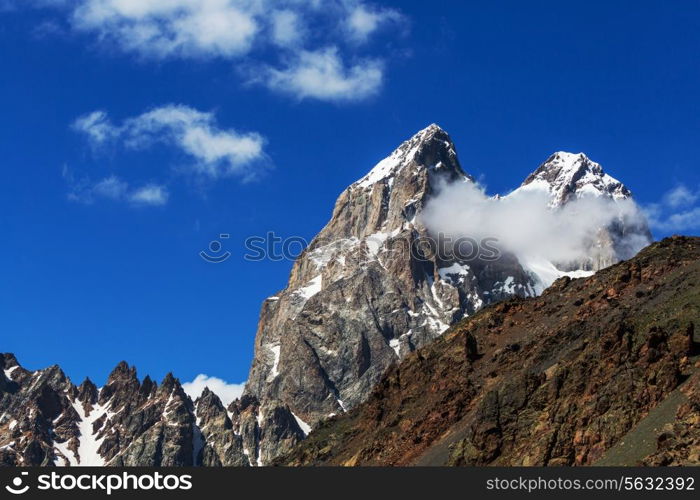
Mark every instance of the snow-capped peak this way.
pixel 565 175
pixel 433 127
pixel 405 154
pixel 567 165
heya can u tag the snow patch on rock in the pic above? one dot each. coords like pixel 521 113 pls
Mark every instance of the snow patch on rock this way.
pixel 305 428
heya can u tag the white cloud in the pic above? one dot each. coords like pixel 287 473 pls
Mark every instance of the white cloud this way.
pixel 680 196
pixel 287 28
pixel 226 392
pixel 687 220
pixel 114 189
pixel 214 152
pixel 111 187
pixel 96 126
pixel 322 75
pixel 524 225
pixel 363 21
pixel 676 212
pixel 151 194
pixel 171 28
pixel 293 46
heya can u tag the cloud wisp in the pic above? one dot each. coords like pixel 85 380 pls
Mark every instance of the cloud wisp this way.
pixel 213 152
pixel 226 392
pixel 322 75
pixel 295 47
pixel 677 211
pixel 363 21
pixel 114 189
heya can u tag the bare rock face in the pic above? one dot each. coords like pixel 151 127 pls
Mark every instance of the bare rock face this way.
pixel 368 290
pixel 29 401
pixel 157 423
pixel 559 379
pixel 216 442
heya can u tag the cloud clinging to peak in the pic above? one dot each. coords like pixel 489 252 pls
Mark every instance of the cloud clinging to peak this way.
pixel 523 223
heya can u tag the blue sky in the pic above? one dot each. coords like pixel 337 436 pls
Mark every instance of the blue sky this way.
pixel 134 133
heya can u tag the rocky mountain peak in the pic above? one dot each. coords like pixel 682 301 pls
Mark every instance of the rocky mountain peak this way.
pixel 46 420
pixel 563 166
pixel 122 372
pixel 87 392
pixel 429 149
pixel 387 199
pixel 360 297
pixel 54 374
pixel 568 175
pixel 122 386
pixel 169 383
pixel 207 404
pixel 8 361
pixel 8 365
pixel 148 386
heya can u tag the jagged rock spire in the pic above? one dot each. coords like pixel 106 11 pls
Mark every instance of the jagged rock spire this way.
pixel 122 372
pixel 87 392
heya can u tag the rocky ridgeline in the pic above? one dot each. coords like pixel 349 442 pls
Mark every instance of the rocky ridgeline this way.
pixel 46 420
